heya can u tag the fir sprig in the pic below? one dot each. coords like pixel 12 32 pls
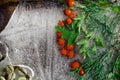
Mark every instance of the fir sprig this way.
pixel 99 27
pixel 96 32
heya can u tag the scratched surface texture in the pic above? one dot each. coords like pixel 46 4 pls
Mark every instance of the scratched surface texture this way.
pixel 30 36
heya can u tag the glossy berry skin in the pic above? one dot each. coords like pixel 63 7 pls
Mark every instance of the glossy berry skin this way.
pixel 70 47
pixel 67 12
pixel 61 23
pixel 71 54
pixel 70 3
pixel 75 64
pixel 61 41
pixel 82 71
pixel 63 52
pixel 69 21
pixel 59 34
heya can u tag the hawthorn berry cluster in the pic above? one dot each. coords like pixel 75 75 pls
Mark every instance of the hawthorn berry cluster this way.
pixel 65 48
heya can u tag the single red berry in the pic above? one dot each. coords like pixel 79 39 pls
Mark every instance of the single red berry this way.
pixel 71 3
pixel 61 23
pixel 69 21
pixel 70 47
pixel 61 41
pixel 82 71
pixel 71 54
pixel 75 64
pixel 63 52
pixel 59 34
pixel 67 12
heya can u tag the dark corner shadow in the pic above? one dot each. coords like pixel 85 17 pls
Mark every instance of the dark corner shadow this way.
pixel 6 10
pixel 7 7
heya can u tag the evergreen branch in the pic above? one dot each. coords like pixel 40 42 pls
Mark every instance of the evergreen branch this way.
pixel 97 20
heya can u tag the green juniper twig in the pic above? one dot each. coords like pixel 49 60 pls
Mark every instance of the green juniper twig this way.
pixel 97 20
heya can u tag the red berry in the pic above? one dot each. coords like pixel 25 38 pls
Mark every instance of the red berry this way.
pixel 61 41
pixel 70 47
pixel 63 52
pixel 69 21
pixel 59 34
pixel 72 15
pixel 82 71
pixel 70 3
pixel 75 64
pixel 71 54
pixel 61 23
pixel 67 12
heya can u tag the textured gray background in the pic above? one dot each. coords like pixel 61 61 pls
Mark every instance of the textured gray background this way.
pixel 30 36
